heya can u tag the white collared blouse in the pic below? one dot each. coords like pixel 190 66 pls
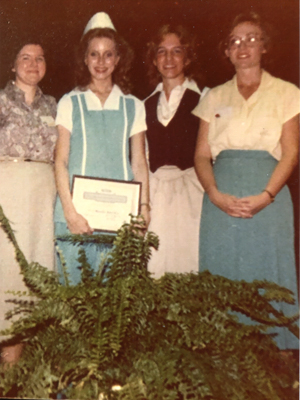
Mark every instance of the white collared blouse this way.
pixel 252 124
pixel 166 109
pixel 65 108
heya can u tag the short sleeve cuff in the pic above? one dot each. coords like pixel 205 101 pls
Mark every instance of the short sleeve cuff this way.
pixel 292 102
pixel 139 124
pixel 202 108
pixel 64 113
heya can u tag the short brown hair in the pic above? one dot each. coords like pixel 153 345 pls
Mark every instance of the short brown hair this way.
pixel 186 40
pixel 15 49
pixel 255 19
pixel 120 74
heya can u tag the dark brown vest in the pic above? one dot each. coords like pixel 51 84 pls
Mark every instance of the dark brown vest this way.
pixel 175 143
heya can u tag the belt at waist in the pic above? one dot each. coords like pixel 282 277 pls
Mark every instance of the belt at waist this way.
pixel 22 159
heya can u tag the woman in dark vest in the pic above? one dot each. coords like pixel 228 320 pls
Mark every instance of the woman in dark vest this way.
pixel 175 194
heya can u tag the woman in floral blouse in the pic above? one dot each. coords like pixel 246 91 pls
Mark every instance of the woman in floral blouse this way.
pixel 27 191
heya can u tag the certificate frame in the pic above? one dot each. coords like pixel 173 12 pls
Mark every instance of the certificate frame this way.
pixel 105 203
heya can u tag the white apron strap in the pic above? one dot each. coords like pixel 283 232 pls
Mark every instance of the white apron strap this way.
pixel 83 164
pixel 125 141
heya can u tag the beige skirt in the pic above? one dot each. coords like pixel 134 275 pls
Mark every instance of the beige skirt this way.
pixel 176 201
pixel 27 195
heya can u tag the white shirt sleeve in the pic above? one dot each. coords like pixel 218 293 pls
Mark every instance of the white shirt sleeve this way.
pixel 203 108
pixel 204 92
pixel 290 98
pixel 139 123
pixel 64 113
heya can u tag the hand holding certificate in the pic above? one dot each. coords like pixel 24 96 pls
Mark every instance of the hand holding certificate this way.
pixel 105 203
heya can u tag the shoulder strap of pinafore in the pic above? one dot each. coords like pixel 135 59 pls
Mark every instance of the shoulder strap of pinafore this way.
pixel 83 129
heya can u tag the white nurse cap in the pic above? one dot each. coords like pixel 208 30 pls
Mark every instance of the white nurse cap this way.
pixel 99 20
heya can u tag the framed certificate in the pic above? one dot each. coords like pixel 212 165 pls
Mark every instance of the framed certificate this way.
pixel 105 203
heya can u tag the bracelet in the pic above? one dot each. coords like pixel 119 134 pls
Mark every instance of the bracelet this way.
pixel 146 204
pixel 272 197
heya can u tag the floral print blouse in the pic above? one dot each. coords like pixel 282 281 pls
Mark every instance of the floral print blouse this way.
pixel 27 131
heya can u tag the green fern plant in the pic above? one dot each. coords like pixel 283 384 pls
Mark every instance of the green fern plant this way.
pixel 173 338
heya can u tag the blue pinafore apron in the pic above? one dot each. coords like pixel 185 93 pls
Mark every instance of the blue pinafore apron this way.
pixel 99 147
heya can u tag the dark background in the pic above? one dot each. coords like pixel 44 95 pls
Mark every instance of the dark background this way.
pixel 59 24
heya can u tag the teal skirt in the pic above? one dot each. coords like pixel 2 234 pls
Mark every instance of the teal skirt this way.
pixel 259 248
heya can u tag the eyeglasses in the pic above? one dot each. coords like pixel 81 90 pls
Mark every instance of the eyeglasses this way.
pixel 249 41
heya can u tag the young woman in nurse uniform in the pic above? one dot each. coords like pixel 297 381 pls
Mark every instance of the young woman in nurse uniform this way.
pixel 99 125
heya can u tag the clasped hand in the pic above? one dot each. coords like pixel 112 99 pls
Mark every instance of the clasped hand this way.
pixel 77 224
pixel 245 207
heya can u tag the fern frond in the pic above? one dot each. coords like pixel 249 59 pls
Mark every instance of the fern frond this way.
pixel 179 337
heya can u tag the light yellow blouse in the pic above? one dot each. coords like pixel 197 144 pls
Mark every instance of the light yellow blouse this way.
pixel 252 124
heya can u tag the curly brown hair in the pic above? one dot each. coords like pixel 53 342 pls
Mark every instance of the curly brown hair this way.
pixel 124 51
pixel 187 41
pixel 255 19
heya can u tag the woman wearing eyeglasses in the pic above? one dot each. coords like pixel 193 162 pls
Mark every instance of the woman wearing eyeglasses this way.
pixel 246 150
